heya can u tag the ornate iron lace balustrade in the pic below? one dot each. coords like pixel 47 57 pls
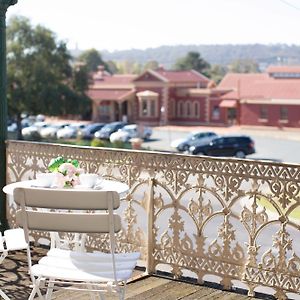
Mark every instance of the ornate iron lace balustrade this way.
pixel 194 216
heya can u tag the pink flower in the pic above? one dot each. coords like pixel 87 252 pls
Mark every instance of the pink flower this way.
pixel 68 169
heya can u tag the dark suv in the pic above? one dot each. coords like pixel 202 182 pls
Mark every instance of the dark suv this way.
pixel 238 146
pixel 108 129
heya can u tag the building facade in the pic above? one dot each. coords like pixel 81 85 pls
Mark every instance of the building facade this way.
pixel 266 99
pixel 161 97
pixel 156 97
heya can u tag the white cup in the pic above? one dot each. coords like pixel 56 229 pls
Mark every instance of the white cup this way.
pixel 44 179
pixel 88 180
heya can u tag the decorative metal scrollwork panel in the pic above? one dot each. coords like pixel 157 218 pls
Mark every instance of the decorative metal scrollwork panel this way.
pixel 238 220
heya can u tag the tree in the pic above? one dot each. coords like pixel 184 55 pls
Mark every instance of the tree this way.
pixel 40 77
pixel 151 64
pixel 244 66
pixel 192 60
pixel 129 67
pixel 217 72
pixel 92 58
pixel 112 67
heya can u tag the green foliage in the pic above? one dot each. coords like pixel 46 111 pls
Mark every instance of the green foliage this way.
pixel 129 67
pixel 55 163
pixel 112 67
pixel 217 72
pixel 92 59
pixel 214 54
pixel 193 60
pixel 98 143
pixel 40 76
pixel 244 66
pixel 151 64
pixel 118 144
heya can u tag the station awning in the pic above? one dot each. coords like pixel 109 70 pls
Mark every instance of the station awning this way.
pixel 228 103
pixel 110 94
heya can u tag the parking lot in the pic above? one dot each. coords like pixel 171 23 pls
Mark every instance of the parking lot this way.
pixel 270 143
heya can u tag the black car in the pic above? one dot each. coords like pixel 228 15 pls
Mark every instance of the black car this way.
pixel 238 146
pixel 88 132
pixel 108 129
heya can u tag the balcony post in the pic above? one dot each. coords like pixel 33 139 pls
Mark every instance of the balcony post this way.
pixel 150 210
pixel 4 4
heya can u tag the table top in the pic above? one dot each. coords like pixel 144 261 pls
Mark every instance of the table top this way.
pixel 106 185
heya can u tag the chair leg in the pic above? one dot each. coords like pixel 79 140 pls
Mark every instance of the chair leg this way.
pixel 49 290
pixel 102 297
pixel 3 295
pixel 92 294
pixel 36 290
pixel 121 293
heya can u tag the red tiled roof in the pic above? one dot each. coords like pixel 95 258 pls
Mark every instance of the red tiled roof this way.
pixel 182 76
pixel 283 69
pixel 240 83
pixel 109 94
pixel 114 79
pixel 259 86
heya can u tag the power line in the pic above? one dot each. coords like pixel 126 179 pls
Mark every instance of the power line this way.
pixel 289 4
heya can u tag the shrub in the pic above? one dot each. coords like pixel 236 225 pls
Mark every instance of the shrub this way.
pixel 98 143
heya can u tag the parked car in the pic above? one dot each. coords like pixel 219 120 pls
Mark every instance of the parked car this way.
pixel 88 132
pixel 69 132
pixel 196 138
pixel 131 131
pixel 50 131
pixel 108 129
pixel 238 146
pixel 33 131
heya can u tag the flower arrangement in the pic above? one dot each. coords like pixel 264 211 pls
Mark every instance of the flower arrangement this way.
pixel 67 171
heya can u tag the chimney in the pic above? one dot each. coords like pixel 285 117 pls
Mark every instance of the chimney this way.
pixel 100 72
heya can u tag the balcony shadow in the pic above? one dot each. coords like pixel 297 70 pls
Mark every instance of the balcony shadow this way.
pixel 14 278
pixel 266 159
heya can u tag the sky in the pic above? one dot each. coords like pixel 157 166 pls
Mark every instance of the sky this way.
pixel 119 24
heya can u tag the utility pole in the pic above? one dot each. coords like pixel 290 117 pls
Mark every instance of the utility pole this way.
pixel 4 4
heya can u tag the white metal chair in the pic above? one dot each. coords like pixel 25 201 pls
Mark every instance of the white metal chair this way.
pixel 70 211
pixel 14 239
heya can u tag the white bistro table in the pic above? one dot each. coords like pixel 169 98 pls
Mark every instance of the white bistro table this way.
pixel 78 240
pixel 105 185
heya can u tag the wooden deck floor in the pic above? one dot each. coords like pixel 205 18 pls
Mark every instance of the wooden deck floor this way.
pixel 15 281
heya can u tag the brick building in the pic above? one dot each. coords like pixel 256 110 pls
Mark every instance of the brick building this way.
pixel 266 99
pixel 154 97
pixel 159 97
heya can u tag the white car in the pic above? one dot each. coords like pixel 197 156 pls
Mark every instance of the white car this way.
pixel 130 131
pixel 50 131
pixel 34 130
pixel 193 139
pixel 69 132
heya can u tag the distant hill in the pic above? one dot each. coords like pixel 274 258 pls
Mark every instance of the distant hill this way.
pixel 264 55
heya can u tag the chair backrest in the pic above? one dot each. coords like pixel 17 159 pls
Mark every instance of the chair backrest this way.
pixel 59 202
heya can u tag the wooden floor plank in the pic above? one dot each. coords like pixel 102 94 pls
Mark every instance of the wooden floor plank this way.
pixel 15 281
pixel 142 286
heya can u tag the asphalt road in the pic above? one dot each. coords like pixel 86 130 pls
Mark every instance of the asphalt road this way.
pixel 269 146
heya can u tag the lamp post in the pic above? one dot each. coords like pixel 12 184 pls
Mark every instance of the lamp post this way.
pixel 4 4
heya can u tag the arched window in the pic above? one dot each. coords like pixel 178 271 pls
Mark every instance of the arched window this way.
pixel 188 109
pixel 196 109
pixel 180 109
